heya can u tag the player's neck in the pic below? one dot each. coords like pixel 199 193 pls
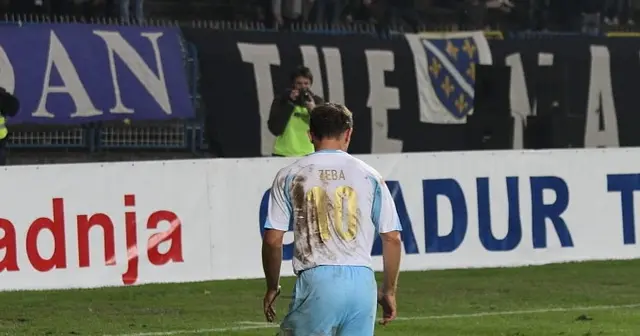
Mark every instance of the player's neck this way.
pixel 334 145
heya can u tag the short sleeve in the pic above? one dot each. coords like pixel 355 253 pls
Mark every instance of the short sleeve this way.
pixel 279 209
pixel 384 214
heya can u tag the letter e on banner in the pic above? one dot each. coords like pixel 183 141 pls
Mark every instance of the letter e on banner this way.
pixel 381 100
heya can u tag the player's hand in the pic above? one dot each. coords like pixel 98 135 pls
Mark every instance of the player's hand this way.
pixel 388 303
pixel 269 304
pixel 294 94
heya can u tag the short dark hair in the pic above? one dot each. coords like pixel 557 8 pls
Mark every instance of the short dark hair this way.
pixel 330 120
pixel 301 71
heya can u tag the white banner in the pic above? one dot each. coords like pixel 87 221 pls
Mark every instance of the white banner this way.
pixel 91 225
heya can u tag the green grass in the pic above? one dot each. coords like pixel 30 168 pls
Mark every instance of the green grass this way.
pixel 431 303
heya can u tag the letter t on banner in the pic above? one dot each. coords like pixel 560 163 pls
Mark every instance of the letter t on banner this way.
pixel 626 184
pixel 262 56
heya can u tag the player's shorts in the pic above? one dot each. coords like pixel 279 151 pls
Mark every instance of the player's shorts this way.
pixel 332 300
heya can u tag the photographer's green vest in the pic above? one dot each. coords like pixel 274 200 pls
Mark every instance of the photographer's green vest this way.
pixel 3 128
pixel 294 141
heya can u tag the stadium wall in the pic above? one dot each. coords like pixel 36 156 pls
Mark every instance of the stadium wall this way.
pixel 93 225
pixel 426 92
pixel 409 93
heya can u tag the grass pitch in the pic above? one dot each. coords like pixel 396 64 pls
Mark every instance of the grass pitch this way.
pixel 586 299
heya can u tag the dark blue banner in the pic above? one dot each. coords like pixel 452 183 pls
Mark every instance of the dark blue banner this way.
pixel 70 74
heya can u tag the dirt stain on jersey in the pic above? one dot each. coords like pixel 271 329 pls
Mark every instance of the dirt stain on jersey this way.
pixel 356 219
pixel 319 208
pixel 307 211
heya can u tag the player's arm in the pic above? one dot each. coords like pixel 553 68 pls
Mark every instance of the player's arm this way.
pixel 277 223
pixel 387 223
pixel 391 255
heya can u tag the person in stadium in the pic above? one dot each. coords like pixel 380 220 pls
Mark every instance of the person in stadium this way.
pixel 335 204
pixel 289 115
pixel 9 107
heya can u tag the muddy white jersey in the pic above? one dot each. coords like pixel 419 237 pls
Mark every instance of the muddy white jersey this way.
pixel 336 205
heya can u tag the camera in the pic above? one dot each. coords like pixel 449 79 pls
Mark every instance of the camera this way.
pixel 303 97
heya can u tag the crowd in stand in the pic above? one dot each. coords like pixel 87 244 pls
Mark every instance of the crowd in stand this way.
pixel 124 9
pixel 408 14
pixel 468 14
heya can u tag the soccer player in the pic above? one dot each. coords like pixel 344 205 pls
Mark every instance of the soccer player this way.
pixel 336 204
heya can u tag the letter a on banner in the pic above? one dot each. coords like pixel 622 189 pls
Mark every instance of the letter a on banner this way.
pixel 601 128
pixel 446 73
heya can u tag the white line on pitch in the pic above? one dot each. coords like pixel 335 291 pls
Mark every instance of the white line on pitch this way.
pixel 246 325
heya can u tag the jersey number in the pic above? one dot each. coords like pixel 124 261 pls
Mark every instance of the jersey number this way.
pixel 345 204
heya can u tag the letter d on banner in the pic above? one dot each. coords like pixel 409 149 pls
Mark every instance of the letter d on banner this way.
pixel 450 189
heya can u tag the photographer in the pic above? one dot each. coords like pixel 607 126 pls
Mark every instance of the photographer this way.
pixel 9 106
pixel 289 116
